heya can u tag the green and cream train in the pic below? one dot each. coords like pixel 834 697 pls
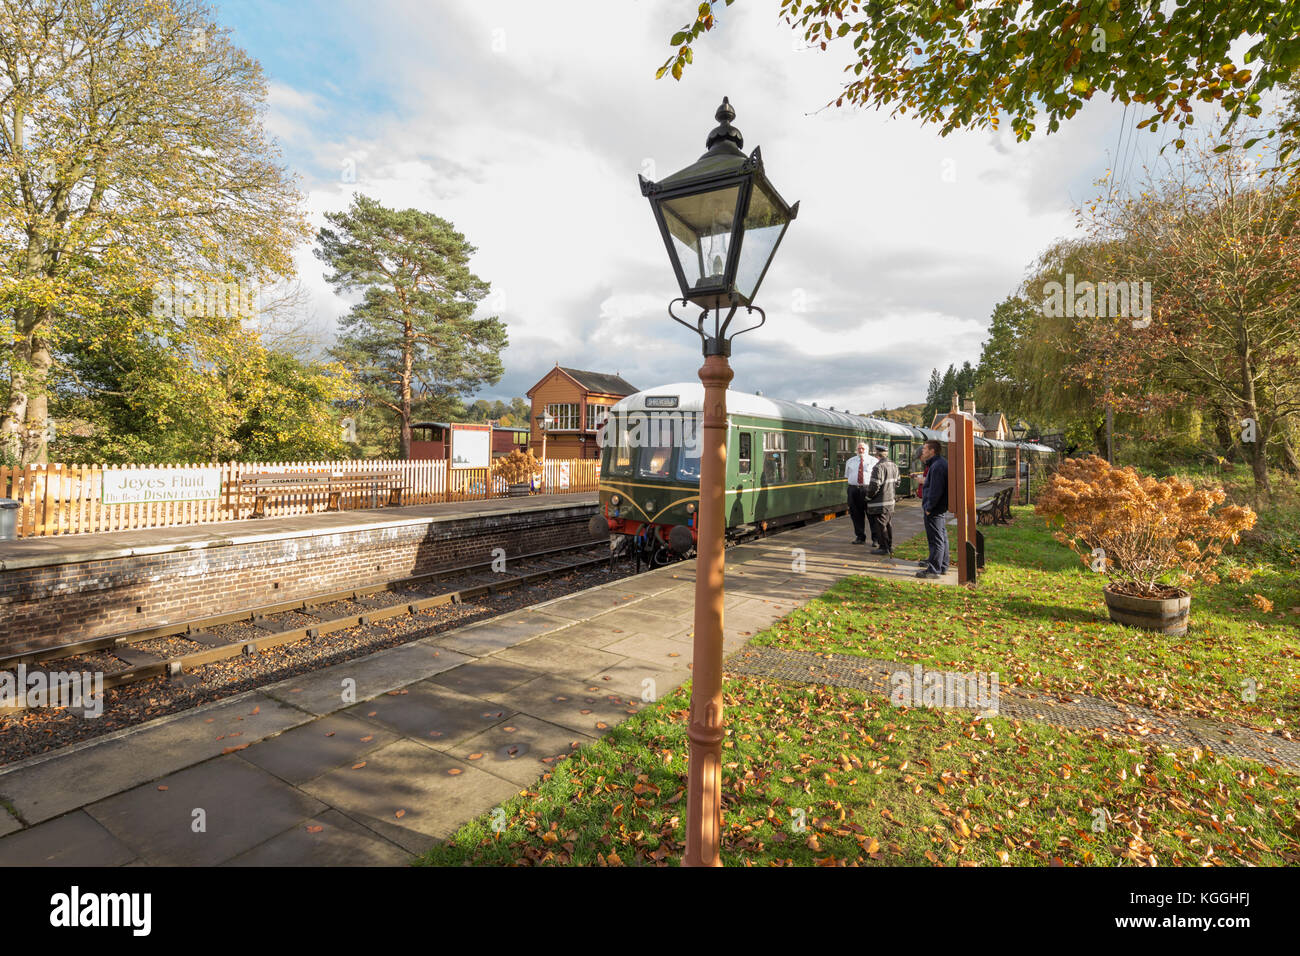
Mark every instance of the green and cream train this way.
pixel 785 464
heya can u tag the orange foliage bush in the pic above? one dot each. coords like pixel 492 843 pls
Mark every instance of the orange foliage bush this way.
pixel 516 467
pixel 1147 528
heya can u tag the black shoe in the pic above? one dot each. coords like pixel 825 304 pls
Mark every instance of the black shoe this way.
pixel 923 564
pixel 928 574
pixel 879 551
pixel 859 540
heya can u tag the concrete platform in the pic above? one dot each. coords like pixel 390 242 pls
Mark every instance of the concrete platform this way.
pixel 439 731
pixel 49 550
pixel 64 589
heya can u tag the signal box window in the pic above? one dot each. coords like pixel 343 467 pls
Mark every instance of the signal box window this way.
pixel 746 453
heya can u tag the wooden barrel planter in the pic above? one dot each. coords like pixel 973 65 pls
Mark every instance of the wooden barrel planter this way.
pixel 522 490
pixel 1166 615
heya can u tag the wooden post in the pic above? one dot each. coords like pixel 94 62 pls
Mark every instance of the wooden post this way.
pixel 961 493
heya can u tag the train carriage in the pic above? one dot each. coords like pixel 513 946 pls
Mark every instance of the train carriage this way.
pixel 785 464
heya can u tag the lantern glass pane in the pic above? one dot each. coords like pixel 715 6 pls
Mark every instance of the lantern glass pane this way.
pixel 700 225
pixel 764 225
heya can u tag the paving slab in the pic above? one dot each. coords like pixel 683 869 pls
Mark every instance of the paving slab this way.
pixel 479 640
pixel 74 839
pixel 587 604
pixel 434 715
pixel 588 708
pixel 487 675
pixel 45 787
pixel 407 786
pixel 241 806
pixel 306 752
pixel 640 680
pixel 321 692
pixel 664 653
pixel 521 749
pixel 559 658
pixel 591 634
pixel 8 823
pixel 331 839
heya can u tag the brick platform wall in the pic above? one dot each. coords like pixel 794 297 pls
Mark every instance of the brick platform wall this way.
pixel 50 606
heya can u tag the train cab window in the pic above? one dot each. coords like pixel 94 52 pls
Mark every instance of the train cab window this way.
pixel 826 453
pixel 620 449
pixel 745 457
pixel 688 461
pixel 655 459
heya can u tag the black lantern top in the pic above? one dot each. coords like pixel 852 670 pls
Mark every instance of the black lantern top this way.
pixel 721 219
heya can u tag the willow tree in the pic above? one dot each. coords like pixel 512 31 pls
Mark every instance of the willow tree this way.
pixel 413 336
pixel 1218 237
pixel 132 158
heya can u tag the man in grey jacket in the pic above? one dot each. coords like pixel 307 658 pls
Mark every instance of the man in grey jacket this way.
pixel 880 501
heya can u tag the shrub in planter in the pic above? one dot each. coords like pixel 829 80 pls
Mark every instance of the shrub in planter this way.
pixel 1152 535
pixel 516 468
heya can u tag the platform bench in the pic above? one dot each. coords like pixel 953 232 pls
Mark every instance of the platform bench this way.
pixel 265 485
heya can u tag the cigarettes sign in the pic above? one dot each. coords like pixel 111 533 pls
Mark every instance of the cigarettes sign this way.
pixel 143 485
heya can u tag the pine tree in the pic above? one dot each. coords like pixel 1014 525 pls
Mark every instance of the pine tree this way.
pixel 413 336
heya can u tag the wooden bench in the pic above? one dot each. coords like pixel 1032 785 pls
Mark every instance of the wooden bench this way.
pixel 997 510
pixel 265 485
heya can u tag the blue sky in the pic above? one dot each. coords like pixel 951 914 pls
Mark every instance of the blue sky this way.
pixel 526 129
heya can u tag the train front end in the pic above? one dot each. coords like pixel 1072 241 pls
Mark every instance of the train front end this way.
pixel 650 473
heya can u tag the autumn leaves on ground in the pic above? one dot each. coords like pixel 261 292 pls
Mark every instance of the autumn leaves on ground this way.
pixel 823 776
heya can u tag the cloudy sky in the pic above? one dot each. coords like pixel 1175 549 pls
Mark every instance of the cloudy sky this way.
pixel 526 123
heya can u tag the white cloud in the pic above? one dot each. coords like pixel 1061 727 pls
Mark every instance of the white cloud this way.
pixel 525 125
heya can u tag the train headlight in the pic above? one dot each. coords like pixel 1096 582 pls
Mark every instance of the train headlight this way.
pixel 615 500
pixel 690 509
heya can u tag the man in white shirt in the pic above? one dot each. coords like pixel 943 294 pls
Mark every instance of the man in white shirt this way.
pixel 857 472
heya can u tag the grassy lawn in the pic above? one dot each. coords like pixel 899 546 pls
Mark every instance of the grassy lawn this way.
pixel 817 776
pixel 1038 619
pixel 821 776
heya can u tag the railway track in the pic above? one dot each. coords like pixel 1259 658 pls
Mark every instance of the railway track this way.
pixel 174 649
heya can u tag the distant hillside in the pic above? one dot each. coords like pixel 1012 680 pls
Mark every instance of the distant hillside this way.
pixel 908 414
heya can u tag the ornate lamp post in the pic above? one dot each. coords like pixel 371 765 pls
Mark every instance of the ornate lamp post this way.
pixel 721 221
pixel 544 422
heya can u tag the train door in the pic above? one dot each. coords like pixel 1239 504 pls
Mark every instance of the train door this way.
pixel 740 507
pixel 900 450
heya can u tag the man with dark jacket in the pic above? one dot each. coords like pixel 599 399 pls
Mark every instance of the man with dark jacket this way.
pixel 934 505
pixel 880 501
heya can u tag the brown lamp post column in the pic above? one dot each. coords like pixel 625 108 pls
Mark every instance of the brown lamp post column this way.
pixel 704 773
pixel 706 213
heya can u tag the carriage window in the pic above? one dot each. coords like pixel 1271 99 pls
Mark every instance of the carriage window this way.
pixel 746 452
pixel 654 461
pixel 803 466
pixel 773 467
pixel 688 464
pixel 826 453
pixel 773 457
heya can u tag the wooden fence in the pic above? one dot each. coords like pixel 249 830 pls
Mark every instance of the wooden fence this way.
pixel 68 499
